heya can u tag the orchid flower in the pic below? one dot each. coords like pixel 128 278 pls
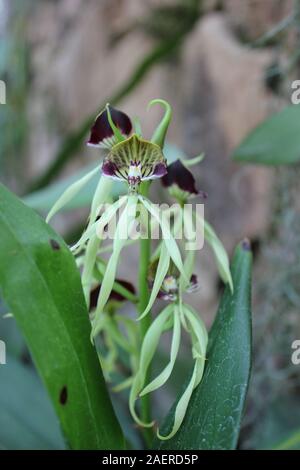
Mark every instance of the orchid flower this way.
pixel 129 157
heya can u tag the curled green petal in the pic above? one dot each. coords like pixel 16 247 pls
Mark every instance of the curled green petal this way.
pixel 161 130
pixel 193 161
pixel 124 227
pixel 71 192
pixel 161 379
pixel 161 272
pixel 168 238
pixel 220 254
pixel 199 340
pixel 148 349
pixel 181 406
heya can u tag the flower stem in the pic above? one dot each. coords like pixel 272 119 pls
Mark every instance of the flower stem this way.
pixel 145 253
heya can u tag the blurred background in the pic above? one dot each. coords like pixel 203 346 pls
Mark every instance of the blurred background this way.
pixel 225 66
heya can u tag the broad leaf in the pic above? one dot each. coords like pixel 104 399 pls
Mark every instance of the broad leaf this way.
pixel 274 142
pixel 214 414
pixel 40 284
pixel 25 408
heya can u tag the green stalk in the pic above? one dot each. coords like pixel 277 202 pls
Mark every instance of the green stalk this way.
pixel 144 294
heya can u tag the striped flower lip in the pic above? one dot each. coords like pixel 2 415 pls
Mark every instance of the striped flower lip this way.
pixel 135 160
pixel 180 181
pixel 102 134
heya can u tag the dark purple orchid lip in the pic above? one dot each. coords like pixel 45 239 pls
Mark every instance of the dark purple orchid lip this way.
pixel 101 131
pixel 113 296
pixel 160 170
pixel 178 174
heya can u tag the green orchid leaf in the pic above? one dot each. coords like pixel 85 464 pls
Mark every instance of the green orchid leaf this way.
pixel 23 415
pixel 274 142
pixel 214 414
pixel 41 285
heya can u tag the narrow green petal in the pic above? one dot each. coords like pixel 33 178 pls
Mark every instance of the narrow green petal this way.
pixel 98 227
pixel 181 406
pixel 199 340
pixel 101 196
pixel 171 244
pixel 152 338
pixel 137 126
pixel 123 385
pixel 161 130
pixel 161 272
pixel 89 261
pixel 193 161
pixel 124 227
pixel 148 349
pixel 220 254
pixel 198 326
pixel 71 192
pixel 134 392
pixel 161 379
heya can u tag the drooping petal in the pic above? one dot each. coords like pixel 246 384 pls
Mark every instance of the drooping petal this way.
pixel 102 134
pixel 123 230
pixel 161 271
pixel 148 350
pixel 168 238
pixel 71 192
pixel 134 160
pixel 162 378
pixel 178 174
pixel 180 181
